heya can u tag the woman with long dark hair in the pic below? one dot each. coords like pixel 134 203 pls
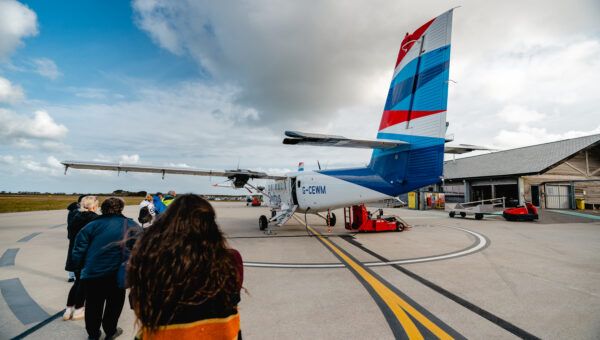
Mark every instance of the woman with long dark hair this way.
pixel 185 281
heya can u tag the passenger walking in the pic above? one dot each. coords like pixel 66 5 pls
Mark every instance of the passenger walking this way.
pixel 168 198
pixel 86 213
pixel 98 252
pixel 72 208
pixel 149 203
pixel 158 203
pixel 182 271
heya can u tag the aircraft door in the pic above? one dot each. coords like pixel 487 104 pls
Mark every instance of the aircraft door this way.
pixel 294 196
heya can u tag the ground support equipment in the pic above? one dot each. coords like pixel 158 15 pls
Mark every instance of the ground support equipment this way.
pixel 522 213
pixel 477 208
pixel 359 218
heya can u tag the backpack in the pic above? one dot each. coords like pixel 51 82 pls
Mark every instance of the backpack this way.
pixel 144 216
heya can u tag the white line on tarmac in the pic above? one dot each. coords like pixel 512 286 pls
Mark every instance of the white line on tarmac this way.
pixel 481 243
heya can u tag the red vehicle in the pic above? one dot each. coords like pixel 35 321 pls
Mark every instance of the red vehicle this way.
pixel 256 202
pixel 521 213
pixel 358 218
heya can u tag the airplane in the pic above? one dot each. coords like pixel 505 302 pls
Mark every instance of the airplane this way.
pixel 408 152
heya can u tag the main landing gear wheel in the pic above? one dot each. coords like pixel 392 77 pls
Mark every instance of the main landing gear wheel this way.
pixel 263 223
pixel 332 220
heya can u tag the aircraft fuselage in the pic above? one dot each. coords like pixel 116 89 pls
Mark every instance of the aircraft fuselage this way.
pixel 312 191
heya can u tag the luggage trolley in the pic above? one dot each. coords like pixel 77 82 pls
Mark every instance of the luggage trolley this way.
pixel 477 208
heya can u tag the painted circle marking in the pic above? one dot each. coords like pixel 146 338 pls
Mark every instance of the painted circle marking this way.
pixel 481 242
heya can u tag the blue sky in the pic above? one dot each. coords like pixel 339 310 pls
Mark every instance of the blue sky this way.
pixel 212 85
pixel 95 45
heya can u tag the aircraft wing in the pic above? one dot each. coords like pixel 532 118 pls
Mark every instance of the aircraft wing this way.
pixel 464 148
pixel 297 137
pixel 167 170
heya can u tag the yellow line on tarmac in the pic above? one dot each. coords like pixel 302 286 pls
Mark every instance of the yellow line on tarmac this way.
pixel 398 305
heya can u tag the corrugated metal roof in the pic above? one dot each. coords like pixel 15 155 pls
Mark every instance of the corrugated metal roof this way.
pixel 526 160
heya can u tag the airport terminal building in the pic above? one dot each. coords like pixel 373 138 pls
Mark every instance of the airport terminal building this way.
pixel 557 175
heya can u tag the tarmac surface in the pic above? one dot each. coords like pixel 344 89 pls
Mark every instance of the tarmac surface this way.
pixel 443 278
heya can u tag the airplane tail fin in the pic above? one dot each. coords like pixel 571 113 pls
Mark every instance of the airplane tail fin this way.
pixel 415 109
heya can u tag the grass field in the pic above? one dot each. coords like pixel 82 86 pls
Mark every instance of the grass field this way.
pixel 16 203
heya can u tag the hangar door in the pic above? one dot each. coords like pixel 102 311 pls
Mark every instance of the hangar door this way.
pixel 482 190
pixel 558 197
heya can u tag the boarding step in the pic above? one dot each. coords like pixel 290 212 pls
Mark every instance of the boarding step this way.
pixel 283 215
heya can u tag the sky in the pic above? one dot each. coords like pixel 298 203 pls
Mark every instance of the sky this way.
pixel 214 84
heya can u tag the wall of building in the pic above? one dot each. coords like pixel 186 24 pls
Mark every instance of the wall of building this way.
pixel 577 168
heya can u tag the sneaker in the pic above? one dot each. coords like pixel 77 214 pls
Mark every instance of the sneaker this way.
pixel 68 313
pixel 118 332
pixel 79 313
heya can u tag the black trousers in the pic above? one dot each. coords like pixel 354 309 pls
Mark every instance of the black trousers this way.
pixel 101 290
pixel 77 293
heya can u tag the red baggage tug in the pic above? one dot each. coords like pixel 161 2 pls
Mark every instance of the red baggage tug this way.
pixel 522 213
pixel 358 218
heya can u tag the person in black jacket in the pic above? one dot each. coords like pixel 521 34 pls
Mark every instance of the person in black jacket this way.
pixel 73 209
pixel 98 251
pixel 86 213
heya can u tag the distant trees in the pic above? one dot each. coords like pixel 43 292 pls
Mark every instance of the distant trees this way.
pixel 120 192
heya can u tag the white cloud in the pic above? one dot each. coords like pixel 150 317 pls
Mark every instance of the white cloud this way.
pixel 90 93
pixel 519 114
pixel 50 145
pixel 526 135
pixel 10 93
pixel 19 129
pixel 8 159
pixel 158 22
pixel 126 159
pixel 46 67
pixel 287 70
pixel 51 166
pixel 178 165
pixel 17 21
pixel 54 163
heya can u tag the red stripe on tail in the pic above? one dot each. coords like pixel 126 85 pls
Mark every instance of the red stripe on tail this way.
pixel 415 36
pixel 395 117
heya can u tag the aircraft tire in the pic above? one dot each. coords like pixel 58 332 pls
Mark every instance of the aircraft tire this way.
pixel 263 223
pixel 332 219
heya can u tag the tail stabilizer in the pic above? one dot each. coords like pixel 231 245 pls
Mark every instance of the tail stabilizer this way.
pixel 415 109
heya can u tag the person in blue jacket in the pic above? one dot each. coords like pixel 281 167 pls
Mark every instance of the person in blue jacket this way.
pixel 98 252
pixel 159 206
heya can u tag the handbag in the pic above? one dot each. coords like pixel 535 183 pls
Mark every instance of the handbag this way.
pixel 122 272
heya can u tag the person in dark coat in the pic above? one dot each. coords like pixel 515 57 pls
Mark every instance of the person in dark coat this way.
pixel 73 209
pixel 98 252
pixel 86 213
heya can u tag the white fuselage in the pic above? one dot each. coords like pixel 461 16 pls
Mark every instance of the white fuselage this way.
pixel 314 192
